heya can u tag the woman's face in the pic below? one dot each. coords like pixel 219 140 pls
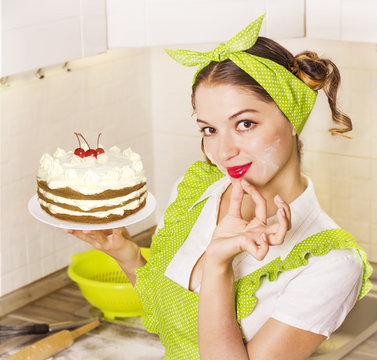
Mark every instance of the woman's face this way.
pixel 246 137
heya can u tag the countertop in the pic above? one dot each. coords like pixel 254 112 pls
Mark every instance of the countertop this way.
pixel 110 341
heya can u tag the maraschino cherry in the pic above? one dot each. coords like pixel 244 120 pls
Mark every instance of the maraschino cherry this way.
pixel 99 150
pixel 79 151
pixel 90 152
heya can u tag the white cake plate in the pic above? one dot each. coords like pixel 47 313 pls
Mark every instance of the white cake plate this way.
pixel 41 215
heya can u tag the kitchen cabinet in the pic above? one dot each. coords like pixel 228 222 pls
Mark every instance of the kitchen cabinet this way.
pixel 41 33
pixel 170 22
pixel 348 20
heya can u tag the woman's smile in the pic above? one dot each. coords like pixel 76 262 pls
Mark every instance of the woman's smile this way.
pixel 238 171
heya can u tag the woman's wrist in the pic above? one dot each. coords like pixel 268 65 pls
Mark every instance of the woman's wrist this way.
pixel 216 267
pixel 129 265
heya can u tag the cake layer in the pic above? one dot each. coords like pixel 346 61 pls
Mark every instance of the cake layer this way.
pixel 98 217
pixel 90 205
pixel 69 193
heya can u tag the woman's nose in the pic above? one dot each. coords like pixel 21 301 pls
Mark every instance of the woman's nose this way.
pixel 227 147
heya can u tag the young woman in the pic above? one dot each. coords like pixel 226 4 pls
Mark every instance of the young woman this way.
pixel 247 265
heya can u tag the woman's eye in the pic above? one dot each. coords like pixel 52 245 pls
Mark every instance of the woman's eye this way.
pixel 245 125
pixel 208 131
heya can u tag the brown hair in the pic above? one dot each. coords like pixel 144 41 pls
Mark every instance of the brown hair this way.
pixel 316 72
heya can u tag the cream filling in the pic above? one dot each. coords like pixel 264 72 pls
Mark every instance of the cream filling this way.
pixel 98 214
pixel 87 205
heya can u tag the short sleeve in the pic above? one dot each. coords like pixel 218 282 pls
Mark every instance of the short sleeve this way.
pixel 319 298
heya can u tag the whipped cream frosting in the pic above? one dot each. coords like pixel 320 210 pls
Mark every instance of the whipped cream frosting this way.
pixel 114 169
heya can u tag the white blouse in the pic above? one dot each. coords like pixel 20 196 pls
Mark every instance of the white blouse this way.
pixel 316 297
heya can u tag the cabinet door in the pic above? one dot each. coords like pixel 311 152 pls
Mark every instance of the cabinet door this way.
pixel 42 33
pixel 285 19
pixel 358 19
pixel 39 33
pixel 171 22
pixel 323 19
pixel 348 20
pixel 93 27
pixel 126 25
pixel 187 22
pixel 175 22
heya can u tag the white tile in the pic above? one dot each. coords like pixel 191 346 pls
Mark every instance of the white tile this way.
pixel 20 277
pixel 374 169
pixel 372 256
pixel 34 249
pixel 62 258
pixel 362 189
pixel 374 213
pixel 341 208
pixel 35 270
pixel 373 232
pixel 340 187
pixel 7 283
pixel 325 202
pixel 6 259
pixel 48 265
pixel 365 55
pixel 360 168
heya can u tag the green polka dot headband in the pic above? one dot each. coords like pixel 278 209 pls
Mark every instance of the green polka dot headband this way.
pixel 294 98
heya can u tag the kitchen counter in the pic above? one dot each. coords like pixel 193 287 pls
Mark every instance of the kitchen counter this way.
pixel 126 338
pixel 110 341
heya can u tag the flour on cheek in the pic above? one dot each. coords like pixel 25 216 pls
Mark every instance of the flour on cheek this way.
pixel 267 158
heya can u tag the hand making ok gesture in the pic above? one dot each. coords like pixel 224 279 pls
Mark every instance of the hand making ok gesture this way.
pixel 233 234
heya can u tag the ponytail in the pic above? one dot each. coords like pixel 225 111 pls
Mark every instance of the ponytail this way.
pixel 319 73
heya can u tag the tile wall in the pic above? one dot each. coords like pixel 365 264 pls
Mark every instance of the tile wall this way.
pixel 147 95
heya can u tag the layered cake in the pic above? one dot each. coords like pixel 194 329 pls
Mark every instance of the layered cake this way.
pixel 91 185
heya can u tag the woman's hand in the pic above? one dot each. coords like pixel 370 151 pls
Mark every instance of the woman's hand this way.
pixel 115 242
pixel 233 234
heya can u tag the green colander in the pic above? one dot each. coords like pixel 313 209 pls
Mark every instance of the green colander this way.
pixel 104 284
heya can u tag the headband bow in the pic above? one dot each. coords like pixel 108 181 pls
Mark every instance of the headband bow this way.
pixel 294 98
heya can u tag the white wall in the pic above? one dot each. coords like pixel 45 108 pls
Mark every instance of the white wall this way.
pixel 141 98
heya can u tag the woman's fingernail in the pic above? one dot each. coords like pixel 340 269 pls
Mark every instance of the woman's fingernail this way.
pixel 278 198
pixel 282 212
pixel 67 231
pixel 264 238
pixel 86 231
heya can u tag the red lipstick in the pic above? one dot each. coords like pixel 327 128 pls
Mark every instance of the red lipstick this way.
pixel 238 171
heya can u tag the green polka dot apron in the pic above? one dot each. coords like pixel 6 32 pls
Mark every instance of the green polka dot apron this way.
pixel 172 311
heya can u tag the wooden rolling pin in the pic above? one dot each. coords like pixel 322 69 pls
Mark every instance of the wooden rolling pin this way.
pixel 52 344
